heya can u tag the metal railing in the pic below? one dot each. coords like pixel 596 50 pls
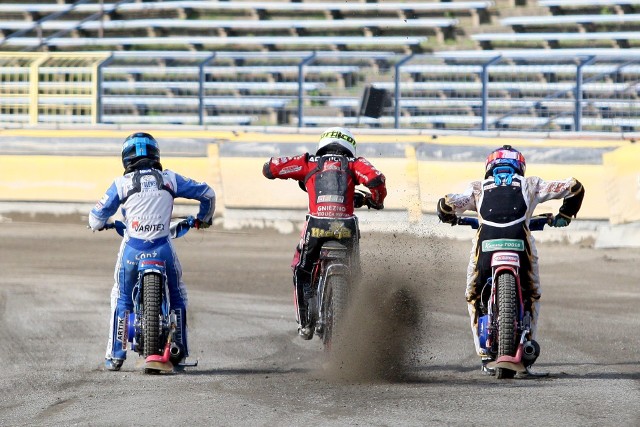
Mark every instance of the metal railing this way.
pixel 481 90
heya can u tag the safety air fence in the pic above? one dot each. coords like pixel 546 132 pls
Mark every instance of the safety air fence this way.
pixel 534 91
pixel 58 168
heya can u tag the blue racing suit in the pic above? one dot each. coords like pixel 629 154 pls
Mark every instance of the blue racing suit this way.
pixel 146 197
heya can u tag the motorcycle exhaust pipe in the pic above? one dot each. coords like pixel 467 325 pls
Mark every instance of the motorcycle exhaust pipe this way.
pixel 174 350
pixel 530 352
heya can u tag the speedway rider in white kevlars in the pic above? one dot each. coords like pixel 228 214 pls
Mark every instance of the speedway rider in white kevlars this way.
pixel 146 194
pixel 505 201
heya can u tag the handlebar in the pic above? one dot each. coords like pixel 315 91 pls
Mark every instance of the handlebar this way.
pixel 536 223
pixel 177 229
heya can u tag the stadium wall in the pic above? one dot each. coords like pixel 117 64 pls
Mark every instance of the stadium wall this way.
pixel 419 170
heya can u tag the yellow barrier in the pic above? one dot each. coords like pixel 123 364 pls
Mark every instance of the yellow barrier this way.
pixel 77 178
pixel 622 178
pixel 415 180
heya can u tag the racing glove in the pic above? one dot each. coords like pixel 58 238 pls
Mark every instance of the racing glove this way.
pixel 445 212
pixel 560 221
pixel 202 224
pixel 376 206
pixel 358 200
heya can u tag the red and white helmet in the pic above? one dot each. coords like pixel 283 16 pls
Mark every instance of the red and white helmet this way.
pixel 505 156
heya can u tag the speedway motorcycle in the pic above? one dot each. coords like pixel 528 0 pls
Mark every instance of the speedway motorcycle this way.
pixel 504 327
pixel 332 278
pixel 151 327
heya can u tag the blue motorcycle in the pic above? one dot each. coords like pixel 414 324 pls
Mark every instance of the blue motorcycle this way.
pixel 151 327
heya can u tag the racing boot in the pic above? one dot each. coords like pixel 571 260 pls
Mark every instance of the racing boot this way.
pixel 113 364
pixel 485 369
pixel 305 329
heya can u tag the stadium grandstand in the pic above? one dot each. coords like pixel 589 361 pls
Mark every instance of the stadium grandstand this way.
pixel 534 65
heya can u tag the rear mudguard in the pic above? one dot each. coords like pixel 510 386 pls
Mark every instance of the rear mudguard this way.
pixel 505 261
pixel 335 268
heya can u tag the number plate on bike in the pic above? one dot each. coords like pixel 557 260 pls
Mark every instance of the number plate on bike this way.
pixel 503 245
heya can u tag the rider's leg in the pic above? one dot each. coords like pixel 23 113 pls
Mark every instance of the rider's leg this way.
pixel 177 296
pixel 125 277
pixel 306 255
pixel 302 294
pixel 299 280
pixel 472 295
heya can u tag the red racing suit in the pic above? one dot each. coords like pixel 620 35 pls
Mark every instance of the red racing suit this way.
pixel 330 182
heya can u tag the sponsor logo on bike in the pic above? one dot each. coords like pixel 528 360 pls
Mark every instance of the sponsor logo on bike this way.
pixel 336 230
pixel 502 245
pixel 151 262
pixel 506 259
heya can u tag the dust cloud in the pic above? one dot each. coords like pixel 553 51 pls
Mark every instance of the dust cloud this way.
pixel 385 326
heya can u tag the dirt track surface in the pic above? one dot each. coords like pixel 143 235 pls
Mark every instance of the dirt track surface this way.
pixel 410 358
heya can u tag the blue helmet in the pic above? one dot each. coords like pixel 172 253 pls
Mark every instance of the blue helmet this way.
pixel 138 146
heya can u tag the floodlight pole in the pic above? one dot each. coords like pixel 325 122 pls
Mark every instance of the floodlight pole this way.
pixel 301 65
pixel 577 117
pixel 100 89
pixel 396 94
pixel 485 90
pixel 201 87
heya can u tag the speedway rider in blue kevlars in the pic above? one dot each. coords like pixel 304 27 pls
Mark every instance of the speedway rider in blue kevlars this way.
pixel 146 193
pixel 505 201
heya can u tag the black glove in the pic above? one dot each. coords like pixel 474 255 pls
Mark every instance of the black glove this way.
pixel 202 224
pixel 358 200
pixel 374 205
pixel 446 213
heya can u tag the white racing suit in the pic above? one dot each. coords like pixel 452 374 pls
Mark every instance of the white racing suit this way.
pixel 504 211
pixel 147 198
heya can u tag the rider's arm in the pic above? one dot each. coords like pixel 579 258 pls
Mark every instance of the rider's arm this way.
pixel 105 208
pixel 287 167
pixel 570 190
pixel 373 179
pixel 454 204
pixel 465 201
pixel 200 191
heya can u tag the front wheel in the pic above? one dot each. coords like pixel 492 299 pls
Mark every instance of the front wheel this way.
pixel 335 306
pixel 152 302
pixel 507 319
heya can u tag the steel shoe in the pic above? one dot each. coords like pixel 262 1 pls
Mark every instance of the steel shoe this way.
pixel 305 332
pixel 486 370
pixel 113 364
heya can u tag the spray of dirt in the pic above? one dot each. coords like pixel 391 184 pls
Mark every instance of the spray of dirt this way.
pixel 382 335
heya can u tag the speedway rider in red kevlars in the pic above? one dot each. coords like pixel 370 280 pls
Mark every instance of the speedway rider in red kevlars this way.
pixel 329 177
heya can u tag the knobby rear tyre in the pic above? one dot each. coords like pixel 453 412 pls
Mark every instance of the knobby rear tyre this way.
pixel 336 293
pixel 152 302
pixel 507 316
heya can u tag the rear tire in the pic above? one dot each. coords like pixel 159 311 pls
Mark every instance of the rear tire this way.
pixel 507 316
pixel 335 305
pixel 152 301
